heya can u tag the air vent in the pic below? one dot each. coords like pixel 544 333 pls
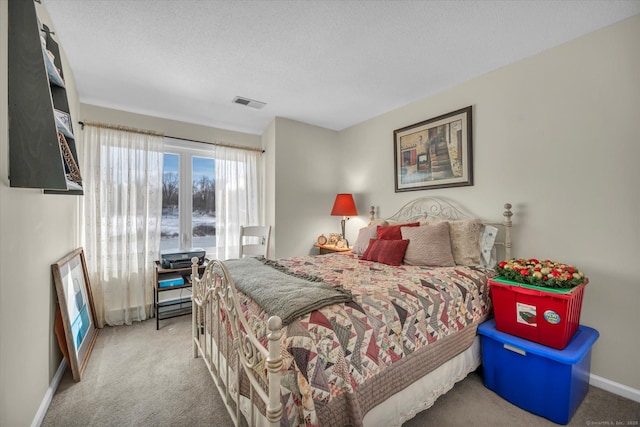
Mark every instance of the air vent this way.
pixel 248 102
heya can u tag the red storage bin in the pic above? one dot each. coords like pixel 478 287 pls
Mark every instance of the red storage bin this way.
pixel 544 315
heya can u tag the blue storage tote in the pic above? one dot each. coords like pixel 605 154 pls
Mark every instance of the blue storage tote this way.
pixel 548 382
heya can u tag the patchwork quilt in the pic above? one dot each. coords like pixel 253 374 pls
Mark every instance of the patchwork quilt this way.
pixel 397 314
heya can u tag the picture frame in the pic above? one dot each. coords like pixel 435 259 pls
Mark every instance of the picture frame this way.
pixel 435 153
pixel 333 238
pixel 63 123
pixel 77 311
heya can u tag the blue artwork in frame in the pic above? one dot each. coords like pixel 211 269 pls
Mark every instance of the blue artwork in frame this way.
pixel 76 310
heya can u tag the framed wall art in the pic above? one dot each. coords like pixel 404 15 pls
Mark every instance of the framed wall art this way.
pixel 435 153
pixel 76 310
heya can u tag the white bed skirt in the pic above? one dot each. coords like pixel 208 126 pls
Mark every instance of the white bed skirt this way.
pixel 423 393
pixel 417 397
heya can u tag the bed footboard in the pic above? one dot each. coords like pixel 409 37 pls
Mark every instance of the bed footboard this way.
pixel 231 352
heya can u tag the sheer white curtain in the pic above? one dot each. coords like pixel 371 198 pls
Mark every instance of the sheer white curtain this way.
pixel 121 222
pixel 237 197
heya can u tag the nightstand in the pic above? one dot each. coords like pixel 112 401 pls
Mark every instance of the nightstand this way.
pixel 329 249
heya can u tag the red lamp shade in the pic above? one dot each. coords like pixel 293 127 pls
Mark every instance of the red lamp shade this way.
pixel 344 206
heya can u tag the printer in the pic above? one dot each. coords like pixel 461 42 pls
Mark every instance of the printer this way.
pixel 181 258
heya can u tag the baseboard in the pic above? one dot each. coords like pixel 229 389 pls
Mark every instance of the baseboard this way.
pixel 46 401
pixel 615 388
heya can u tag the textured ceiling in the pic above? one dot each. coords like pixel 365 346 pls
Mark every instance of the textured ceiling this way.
pixel 329 63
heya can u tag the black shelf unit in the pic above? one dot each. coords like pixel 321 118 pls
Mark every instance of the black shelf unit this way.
pixel 183 304
pixel 38 158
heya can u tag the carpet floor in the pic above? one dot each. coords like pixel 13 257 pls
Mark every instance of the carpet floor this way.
pixel 137 376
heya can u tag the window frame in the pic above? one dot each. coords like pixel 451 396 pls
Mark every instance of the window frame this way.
pixel 186 151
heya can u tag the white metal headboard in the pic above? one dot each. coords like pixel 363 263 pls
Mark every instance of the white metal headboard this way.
pixel 433 207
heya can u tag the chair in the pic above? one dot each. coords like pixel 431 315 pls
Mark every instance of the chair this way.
pixel 254 240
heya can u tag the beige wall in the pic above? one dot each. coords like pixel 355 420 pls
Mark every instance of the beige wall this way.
pixel 269 182
pixel 36 230
pixel 304 183
pixel 557 136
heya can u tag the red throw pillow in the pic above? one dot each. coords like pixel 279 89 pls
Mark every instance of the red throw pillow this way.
pixel 392 232
pixel 390 252
pixel 368 253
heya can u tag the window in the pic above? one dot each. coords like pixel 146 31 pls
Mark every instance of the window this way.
pixel 209 191
pixel 188 197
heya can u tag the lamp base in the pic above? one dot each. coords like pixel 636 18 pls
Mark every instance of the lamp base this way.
pixel 342 224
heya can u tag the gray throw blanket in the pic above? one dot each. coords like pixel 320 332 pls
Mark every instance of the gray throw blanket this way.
pixel 280 292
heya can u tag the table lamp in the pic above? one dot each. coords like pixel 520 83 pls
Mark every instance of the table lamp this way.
pixel 344 206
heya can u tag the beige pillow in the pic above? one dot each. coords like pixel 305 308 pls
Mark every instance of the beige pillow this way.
pixel 366 233
pixel 429 245
pixel 362 242
pixel 465 240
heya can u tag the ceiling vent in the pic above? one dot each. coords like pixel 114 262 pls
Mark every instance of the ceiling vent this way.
pixel 248 102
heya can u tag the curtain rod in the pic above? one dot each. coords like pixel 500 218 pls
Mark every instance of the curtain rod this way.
pixel 149 132
pixel 219 144
pixel 118 127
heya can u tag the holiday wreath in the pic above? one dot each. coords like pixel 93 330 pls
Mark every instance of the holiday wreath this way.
pixel 547 273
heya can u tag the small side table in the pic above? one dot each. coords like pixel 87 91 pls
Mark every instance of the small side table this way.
pixel 329 249
pixel 179 306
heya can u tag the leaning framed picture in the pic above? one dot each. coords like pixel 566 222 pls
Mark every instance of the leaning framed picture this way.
pixel 435 153
pixel 76 310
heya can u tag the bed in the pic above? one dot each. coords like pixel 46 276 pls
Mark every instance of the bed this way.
pixel 351 339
